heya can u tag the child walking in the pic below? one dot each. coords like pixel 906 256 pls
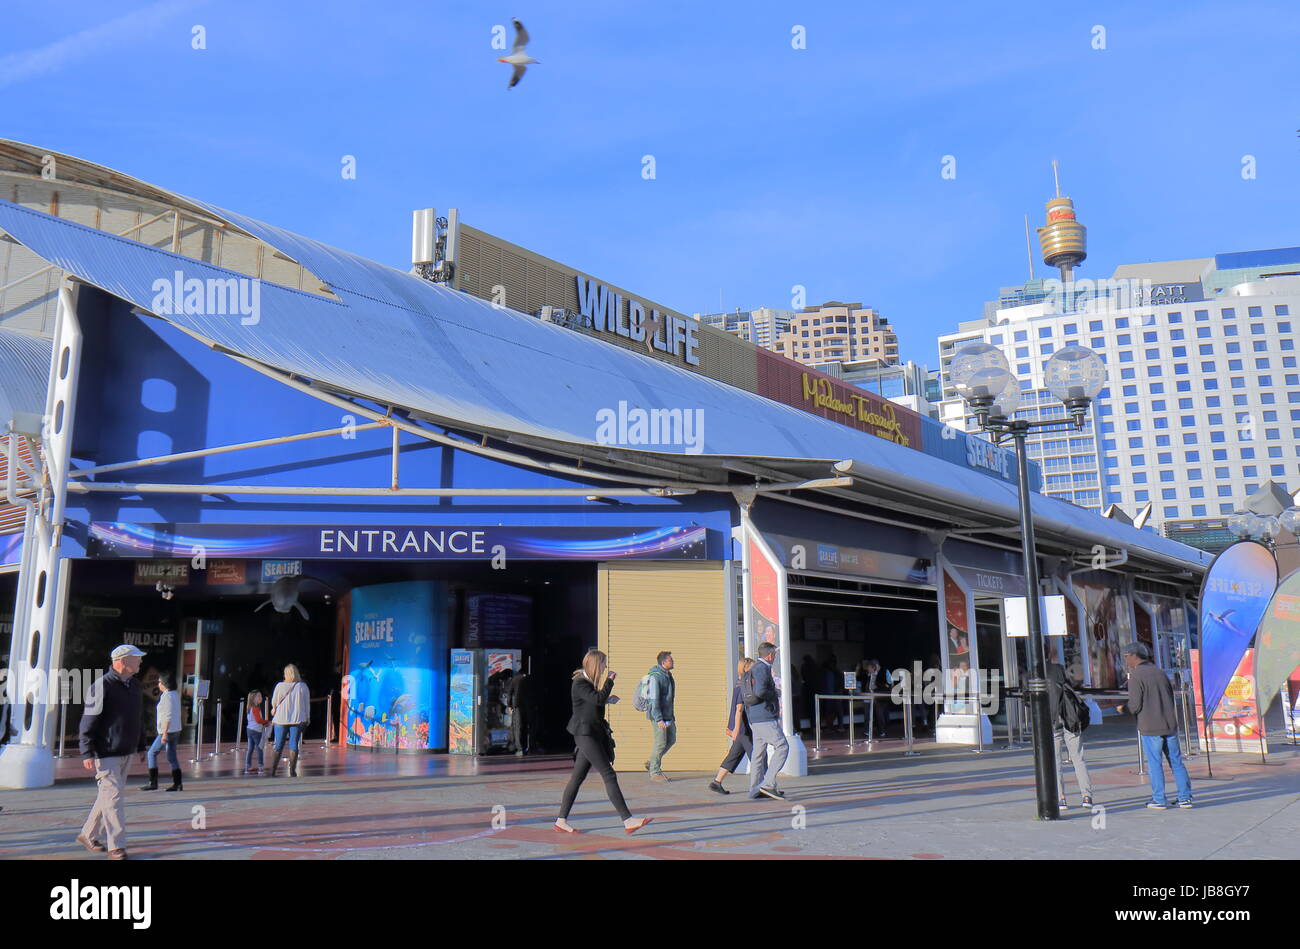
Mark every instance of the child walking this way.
pixel 256 727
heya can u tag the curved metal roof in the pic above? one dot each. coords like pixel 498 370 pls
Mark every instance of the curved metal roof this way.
pixel 24 372
pixel 400 340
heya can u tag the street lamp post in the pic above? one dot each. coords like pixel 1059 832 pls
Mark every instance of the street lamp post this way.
pixel 1074 375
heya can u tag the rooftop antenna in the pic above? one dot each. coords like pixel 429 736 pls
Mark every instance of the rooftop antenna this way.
pixel 1029 249
pixel 1056 176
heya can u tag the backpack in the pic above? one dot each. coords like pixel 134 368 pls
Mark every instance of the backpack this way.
pixel 641 699
pixel 1074 713
pixel 747 689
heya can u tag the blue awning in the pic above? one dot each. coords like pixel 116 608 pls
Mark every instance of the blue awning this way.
pixel 396 339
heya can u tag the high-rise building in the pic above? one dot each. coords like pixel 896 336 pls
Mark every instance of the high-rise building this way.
pixel 909 384
pixel 762 327
pixel 1202 401
pixel 839 332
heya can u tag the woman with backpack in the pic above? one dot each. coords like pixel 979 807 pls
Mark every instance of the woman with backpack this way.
pixel 742 739
pixel 590 692
pixel 1069 717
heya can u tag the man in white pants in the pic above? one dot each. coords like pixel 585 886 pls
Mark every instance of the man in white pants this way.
pixel 765 723
pixel 112 731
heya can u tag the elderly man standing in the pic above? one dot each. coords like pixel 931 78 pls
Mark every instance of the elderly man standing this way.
pixel 111 731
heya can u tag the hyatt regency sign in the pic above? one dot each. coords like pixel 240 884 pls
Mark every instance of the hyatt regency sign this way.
pixel 610 313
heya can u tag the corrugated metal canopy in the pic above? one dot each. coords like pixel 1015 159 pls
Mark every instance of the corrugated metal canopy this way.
pixel 24 372
pixel 400 340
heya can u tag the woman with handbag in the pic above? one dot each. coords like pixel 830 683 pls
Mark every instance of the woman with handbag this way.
pixel 290 712
pixel 591 733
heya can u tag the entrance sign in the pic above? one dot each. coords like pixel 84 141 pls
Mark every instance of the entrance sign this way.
pixel 273 570
pixel 150 572
pixel 398 542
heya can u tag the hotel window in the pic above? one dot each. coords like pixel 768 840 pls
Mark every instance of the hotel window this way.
pixel 1206 349
pixel 1071 329
pixel 1045 332
pixel 1121 323
pixel 1207 367
pixel 1126 356
pixel 1194 474
pixel 1022 368
pixel 1248 454
pixel 1220 454
pixel 1220 473
pixel 1277 470
pixel 1272 435
pixel 1264 381
pixel 1232 348
pixel 1180 352
pixel 1175 317
pixel 1165 458
pixel 1185 404
pixel 1175 334
pixel 1189 438
pixel 1021 336
pixel 1135 442
pixel 1225 490
pixel 1230 331
pixel 1234 365
pixel 1128 373
pixel 1141 495
pixel 1022 352
pixel 1283 310
pixel 1261 364
pixel 1211 401
pixel 1171 511
pixel 1131 408
pixel 1112 480
pixel 1270 415
pixel 1134 425
pixel 1139 477
pixel 1201 315
pixel 1124 339
pixel 1198 510
pixel 1157 405
pixel 1228 313
pixel 1162 423
pixel 1169 494
pixel 1225 508
pixel 1255 312
pixel 1098 342
pixel 1153 371
pixel 996 339
pixel 1217 437
pixel 1137 461
pixel 1203 332
pixel 1167 475
pixel 1238 382
pixel 1045 349
pixel 1209 385
pixel 1162 441
pixel 1148 337
pixel 1094 326
pixel 1196 492
pixel 1249 471
pixel 1130 391
pixel 1191 456
pixel 1259 346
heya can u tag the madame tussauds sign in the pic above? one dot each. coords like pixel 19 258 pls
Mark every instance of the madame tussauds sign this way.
pixel 881 417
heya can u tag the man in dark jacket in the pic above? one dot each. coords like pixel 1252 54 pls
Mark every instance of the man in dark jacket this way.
pixel 1073 741
pixel 659 709
pixel 1151 699
pixel 112 731
pixel 765 723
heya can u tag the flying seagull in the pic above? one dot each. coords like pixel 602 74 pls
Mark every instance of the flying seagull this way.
pixel 518 57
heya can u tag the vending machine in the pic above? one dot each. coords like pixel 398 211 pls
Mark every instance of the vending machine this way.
pixel 478 722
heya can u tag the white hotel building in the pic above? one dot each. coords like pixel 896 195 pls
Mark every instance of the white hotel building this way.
pixel 1202 401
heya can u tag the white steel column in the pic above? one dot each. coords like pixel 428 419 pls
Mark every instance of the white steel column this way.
pixel 27 761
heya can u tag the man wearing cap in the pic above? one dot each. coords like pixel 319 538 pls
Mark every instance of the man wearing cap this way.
pixel 111 731
pixel 1151 699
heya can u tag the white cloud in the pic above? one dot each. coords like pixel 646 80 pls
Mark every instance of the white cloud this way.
pixel 28 64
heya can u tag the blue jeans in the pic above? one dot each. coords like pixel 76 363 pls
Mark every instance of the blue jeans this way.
pixel 1155 747
pixel 171 751
pixel 295 737
pixel 254 745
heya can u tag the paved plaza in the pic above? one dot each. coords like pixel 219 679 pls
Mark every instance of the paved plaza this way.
pixel 944 803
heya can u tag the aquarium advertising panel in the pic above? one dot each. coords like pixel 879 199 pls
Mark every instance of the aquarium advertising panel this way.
pixel 1234 598
pixel 460 737
pixel 396 684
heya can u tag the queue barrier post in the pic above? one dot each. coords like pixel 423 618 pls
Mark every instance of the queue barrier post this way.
pixel 239 730
pixel 198 735
pixel 817 714
pixel 907 722
pixel 329 719
pixel 216 745
pixel 63 727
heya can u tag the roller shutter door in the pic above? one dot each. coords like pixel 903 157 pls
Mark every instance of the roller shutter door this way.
pixel 648 607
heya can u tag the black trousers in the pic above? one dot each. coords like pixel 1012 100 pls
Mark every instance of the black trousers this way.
pixel 740 746
pixel 592 753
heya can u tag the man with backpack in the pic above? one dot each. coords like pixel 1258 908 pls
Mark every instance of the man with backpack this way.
pixel 655 697
pixel 1069 717
pixel 762 708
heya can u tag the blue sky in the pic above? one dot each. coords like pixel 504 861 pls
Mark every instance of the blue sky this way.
pixel 775 167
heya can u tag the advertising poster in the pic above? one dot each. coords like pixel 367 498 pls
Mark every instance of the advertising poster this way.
pixel 1234 598
pixel 1106 626
pixel 1236 724
pixel 960 683
pixel 764 594
pixel 1290 696
pixel 226 573
pixel 460 709
pixel 1277 649
pixel 396 687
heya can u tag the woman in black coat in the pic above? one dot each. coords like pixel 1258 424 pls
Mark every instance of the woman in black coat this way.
pixel 590 691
